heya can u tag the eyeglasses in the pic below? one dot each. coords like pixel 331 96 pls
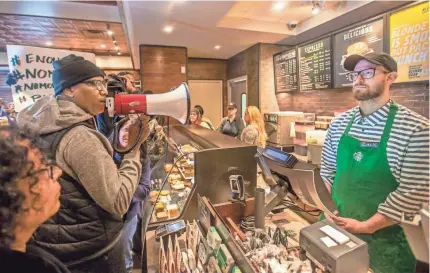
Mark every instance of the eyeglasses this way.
pixel 365 73
pixel 99 85
pixel 49 169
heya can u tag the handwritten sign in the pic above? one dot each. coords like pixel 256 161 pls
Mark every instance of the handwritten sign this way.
pixel 409 42
pixel 31 72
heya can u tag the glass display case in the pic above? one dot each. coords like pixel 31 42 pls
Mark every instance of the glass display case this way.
pixel 199 161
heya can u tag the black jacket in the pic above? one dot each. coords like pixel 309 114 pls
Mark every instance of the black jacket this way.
pixel 80 229
pixel 35 260
pixel 233 128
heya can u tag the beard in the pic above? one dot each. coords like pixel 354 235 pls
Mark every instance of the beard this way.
pixel 363 92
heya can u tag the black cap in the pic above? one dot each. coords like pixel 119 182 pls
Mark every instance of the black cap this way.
pixel 232 105
pixel 72 70
pixel 380 58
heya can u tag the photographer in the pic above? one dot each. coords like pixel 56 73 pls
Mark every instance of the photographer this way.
pixel 85 233
pixel 106 126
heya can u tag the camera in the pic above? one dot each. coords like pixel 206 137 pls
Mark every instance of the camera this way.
pixel 292 24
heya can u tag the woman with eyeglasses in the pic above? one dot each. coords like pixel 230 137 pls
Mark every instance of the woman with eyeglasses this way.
pixel 30 194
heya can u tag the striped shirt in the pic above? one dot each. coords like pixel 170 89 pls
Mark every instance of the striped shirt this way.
pixel 407 153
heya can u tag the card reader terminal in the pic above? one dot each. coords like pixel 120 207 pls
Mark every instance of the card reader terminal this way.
pixel 279 157
pixel 169 229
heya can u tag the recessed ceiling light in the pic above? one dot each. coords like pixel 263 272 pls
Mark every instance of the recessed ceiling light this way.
pixel 117 47
pixel 114 41
pixel 102 46
pixel 48 43
pixel 217 47
pixel 119 53
pixel 278 6
pixel 168 29
pixel 110 32
pixel 315 10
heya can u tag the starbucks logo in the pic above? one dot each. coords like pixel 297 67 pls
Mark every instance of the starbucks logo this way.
pixel 358 156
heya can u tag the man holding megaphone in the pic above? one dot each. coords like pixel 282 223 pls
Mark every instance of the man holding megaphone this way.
pixel 85 233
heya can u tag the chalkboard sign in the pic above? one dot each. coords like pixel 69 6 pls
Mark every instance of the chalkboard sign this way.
pixel 315 65
pixel 285 70
pixel 363 39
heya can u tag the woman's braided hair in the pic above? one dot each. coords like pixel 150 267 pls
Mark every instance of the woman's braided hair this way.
pixel 14 164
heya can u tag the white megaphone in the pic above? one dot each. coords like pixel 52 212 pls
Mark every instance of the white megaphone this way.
pixel 175 104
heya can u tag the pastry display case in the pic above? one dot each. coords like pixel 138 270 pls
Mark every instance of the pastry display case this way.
pixel 198 161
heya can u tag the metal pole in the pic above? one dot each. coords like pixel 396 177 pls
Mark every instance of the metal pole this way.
pixel 259 194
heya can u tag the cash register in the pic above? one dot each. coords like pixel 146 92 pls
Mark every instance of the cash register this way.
pixel 329 247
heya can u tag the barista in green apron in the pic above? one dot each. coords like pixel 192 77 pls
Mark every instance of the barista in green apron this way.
pixel 363 181
pixel 362 176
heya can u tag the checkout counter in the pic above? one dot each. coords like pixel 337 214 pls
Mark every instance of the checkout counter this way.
pixel 322 246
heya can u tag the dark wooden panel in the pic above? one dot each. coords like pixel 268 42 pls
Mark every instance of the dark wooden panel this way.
pixel 210 69
pixel 247 63
pixel 79 35
pixel 160 67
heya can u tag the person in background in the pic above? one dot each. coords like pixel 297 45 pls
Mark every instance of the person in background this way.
pixel 105 123
pixel 196 118
pixel 132 219
pixel 255 132
pixel 85 234
pixel 375 163
pixel 133 214
pixel 232 125
pixel 30 192
pixel 204 119
pixel 6 113
pixel 129 80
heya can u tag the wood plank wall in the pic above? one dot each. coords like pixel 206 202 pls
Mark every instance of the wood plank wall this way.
pixel 160 67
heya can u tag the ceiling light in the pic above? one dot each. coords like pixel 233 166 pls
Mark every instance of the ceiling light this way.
pixel 114 41
pixel 278 6
pixel 102 46
pixel 110 32
pixel 48 43
pixel 119 53
pixel 168 29
pixel 117 47
pixel 315 10
pixel 217 47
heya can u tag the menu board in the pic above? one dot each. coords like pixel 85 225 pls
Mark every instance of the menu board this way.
pixel 285 70
pixel 409 42
pixel 315 65
pixel 363 39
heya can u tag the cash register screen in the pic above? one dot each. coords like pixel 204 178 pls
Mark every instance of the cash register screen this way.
pixel 277 155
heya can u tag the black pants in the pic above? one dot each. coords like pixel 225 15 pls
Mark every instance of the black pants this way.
pixel 111 262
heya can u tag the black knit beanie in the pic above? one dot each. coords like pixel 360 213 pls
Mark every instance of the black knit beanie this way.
pixel 72 70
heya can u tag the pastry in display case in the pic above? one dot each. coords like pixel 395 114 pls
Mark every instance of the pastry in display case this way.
pixel 169 200
pixel 197 161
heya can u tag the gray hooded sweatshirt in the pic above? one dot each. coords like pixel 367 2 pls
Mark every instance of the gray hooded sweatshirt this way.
pixel 85 154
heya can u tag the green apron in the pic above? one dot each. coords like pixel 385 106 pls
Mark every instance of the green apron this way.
pixel 363 181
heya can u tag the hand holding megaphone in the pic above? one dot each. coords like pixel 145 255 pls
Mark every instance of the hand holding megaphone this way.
pixel 130 132
pixel 175 104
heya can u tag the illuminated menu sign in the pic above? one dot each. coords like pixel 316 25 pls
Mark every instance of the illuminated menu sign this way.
pixel 285 70
pixel 409 42
pixel 315 65
pixel 360 40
